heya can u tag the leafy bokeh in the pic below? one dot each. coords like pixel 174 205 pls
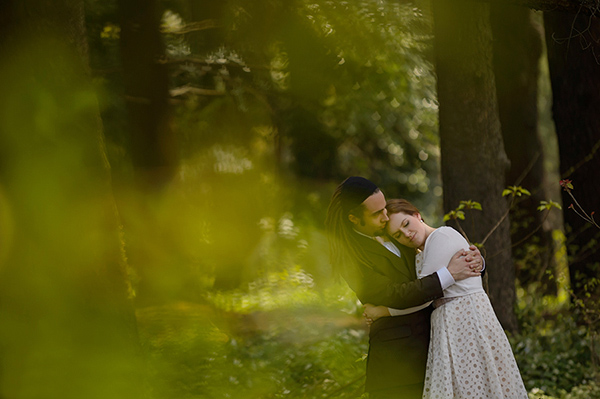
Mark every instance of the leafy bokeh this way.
pixel 225 264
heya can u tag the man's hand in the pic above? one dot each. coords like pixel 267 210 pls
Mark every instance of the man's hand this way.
pixel 465 264
pixel 373 313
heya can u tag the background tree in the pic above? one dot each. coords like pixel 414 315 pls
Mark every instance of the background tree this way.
pixel 151 142
pixel 517 49
pixel 573 63
pixel 146 91
pixel 472 151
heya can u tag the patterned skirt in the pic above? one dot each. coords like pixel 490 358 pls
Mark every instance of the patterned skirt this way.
pixel 469 353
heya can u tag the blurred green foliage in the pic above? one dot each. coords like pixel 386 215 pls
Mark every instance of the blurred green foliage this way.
pixel 273 103
pixel 553 352
pixel 64 327
pixel 282 339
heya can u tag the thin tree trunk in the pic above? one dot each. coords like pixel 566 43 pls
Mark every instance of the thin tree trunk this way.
pixel 575 77
pixel 473 159
pixel 517 51
pixel 152 143
pixel 152 147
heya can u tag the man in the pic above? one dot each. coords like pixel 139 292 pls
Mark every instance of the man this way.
pixel 383 273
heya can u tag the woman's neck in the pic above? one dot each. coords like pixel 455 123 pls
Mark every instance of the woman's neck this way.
pixel 428 231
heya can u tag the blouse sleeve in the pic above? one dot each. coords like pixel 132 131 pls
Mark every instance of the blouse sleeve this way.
pixel 440 246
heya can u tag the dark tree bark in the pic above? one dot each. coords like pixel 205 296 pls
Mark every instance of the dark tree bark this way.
pixel 152 147
pixel 575 77
pixel 517 51
pixel 145 78
pixel 473 159
pixel 67 326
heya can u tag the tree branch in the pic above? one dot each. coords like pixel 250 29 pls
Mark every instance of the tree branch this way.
pixel 499 222
pixel 183 90
pixel 192 27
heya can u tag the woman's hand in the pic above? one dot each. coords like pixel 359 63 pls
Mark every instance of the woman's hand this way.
pixel 465 264
pixel 373 313
pixel 475 259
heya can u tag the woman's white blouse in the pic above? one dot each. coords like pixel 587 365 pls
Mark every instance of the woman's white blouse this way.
pixel 439 248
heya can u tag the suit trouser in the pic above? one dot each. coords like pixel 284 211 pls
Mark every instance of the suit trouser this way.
pixel 397 358
pixel 404 392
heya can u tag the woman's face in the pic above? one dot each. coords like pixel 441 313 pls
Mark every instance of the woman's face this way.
pixel 407 229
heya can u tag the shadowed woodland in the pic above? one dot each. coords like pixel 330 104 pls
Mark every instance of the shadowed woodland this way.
pixel 166 165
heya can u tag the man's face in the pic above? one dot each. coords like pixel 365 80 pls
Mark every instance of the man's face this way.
pixel 374 217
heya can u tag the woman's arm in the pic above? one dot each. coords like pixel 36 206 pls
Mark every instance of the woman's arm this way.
pixel 439 249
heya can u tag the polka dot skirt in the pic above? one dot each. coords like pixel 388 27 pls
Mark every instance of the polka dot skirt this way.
pixel 469 353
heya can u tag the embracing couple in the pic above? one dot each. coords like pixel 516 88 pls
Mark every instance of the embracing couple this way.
pixel 433 332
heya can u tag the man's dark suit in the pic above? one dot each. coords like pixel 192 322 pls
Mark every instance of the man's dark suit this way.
pixel 397 345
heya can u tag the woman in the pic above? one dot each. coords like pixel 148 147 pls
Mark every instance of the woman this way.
pixel 469 353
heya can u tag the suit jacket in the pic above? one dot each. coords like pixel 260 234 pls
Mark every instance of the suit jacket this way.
pixel 397 345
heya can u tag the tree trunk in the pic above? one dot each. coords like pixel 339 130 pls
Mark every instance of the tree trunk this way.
pixel 473 159
pixel 152 147
pixel 146 93
pixel 517 51
pixel 66 324
pixel 575 77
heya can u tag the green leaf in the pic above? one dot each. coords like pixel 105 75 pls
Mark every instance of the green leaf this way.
pixel 454 215
pixel 362 358
pixel 547 205
pixel 515 191
pixel 470 204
